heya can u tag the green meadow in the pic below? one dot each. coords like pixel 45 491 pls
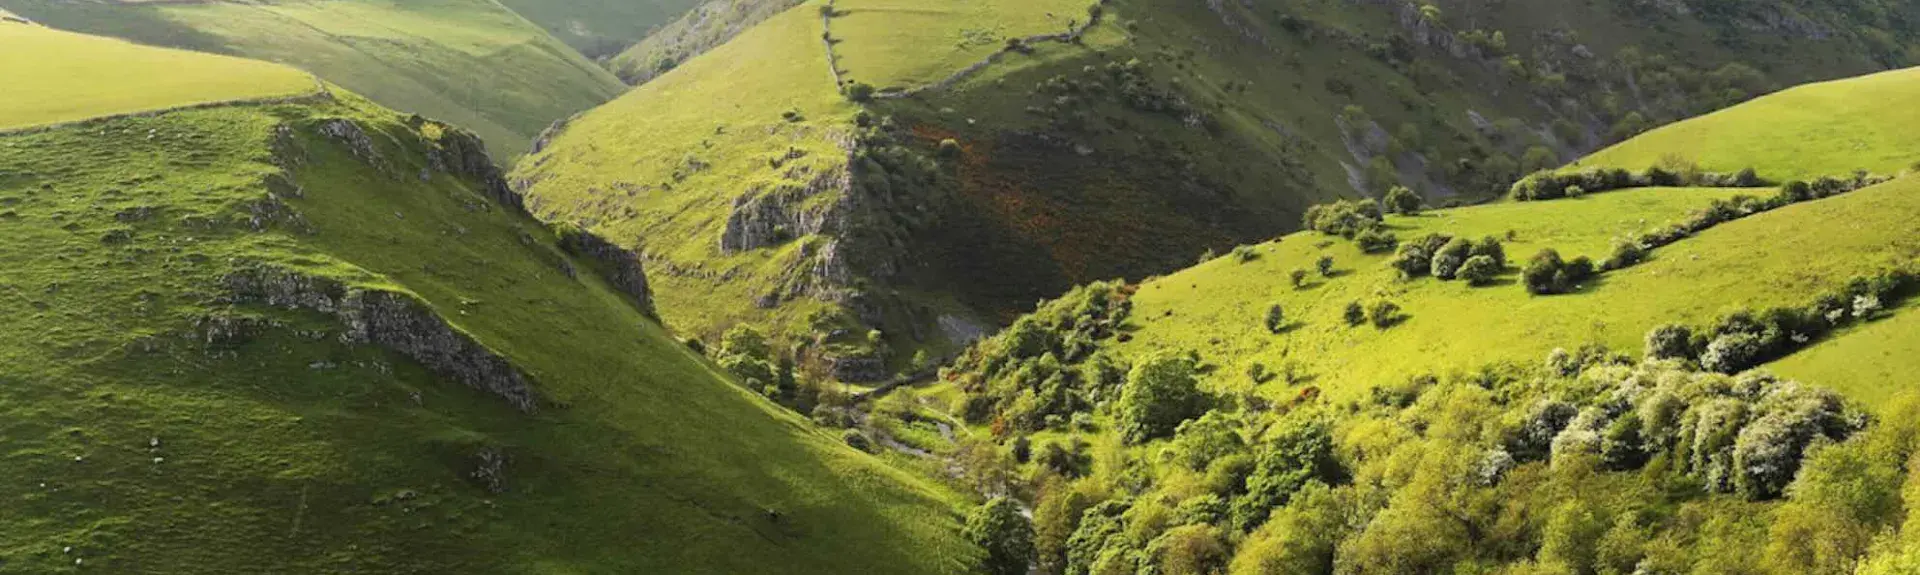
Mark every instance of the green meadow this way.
pixel 97 76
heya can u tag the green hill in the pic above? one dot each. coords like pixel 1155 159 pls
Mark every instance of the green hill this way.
pixel 1824 129
pixel 472 63
pixel 1118 148
pixel 90 79
pixel 318 336
pixel 1264 412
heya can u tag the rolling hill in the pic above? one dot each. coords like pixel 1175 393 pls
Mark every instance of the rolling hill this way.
pixel 314 335
pixel 1265 411
pixel 600 28
pixel 472 63
pixel 1001 152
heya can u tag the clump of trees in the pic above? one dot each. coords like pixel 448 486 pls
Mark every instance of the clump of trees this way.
pixel 1549 184
pixel 1444 257
pixel 1744 339
pixel 1547 273
pixel 1345 218
pixel 1402 200
pixel 1040 371
pixel 1161 392
pixel 998 528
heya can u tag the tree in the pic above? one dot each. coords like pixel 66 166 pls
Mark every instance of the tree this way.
pixel 1538 158
pixel 1275 318
pixel 1299 277
pixel 1384 314
pixel 1402 200
pixel 1375 241
pixel 1007 537
pixel 1490 246
pixel 1160 393
pixel 1356 314
pixel 860 92
pixel 1299 450
pixel 1478 270
pixel 1670 341
pixel 744 340
pixel 1325 265
pixel 1543 273
pixel 1453 255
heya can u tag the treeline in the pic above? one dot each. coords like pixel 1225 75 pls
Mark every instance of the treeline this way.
pixel 1554 184
pixel 1745 339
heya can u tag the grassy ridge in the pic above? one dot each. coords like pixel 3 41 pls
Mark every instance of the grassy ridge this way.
pixel 140 436
pixel 472 63
pixel 1823 129
pixel 1216 308
pixel 97 76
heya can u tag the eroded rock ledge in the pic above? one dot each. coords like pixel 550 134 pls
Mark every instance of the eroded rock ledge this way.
pixel 392 320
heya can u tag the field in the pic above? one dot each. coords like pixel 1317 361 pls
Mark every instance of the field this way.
pixel 1824 129
pixel 1216 308
pixel 471 63
pixel 1872 364
pixel 152 426
pixel 98 76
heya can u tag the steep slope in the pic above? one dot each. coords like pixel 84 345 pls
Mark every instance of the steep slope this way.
pixel 600 28
pixel 1331 402
pixel 472 63
pixel 1010 150
pixel 318 336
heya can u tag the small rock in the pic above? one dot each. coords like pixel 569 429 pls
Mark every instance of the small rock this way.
pixel 67 549
pixel 159 460
pixel 154 443
pixel 79 459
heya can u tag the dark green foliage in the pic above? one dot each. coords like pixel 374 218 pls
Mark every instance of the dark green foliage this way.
pixel 1402 200
pixel 1006 536
pixel 1297 277
pixel 1324 265
pixel 1384 314
pixel 1198 442
pixel 1297 451
pixel 1448 260
pixel 1415 259
pixel 1490 247
pixel 1344 218
pixel 1670 341
pixel 1355 314
pixel 1376 240
pixel 1546 273
pixel 1626 252
pixel 1276 318
pixel 1244 254
pixel 1478 271
pixel 1547 184
pixel 1044 366
pixel 1161 392
pixel 860 92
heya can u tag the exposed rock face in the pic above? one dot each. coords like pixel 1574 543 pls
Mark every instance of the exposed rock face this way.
pixel 392 320
pixel 462 154
pixel 763 218
pixel 356 140
pixel 621 268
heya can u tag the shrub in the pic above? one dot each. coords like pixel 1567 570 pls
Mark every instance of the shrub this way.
pixel 1491 248
pixel 1478 271
pixel 1384 314
pixel 1356 314
pixel 1299 277
pixel 860 92
pixel 1344 218
pixel 1453 255
pixel 1160 393
pixel 1275 318
pixel 1244 254
pixel 1402 200
pixel 1415 259
pixel 1670 341
pixel 1542 271
pixel 1375 241
pixel 1732 352
pixel 857 440
pixel 949 148
pixel 1627 251
pixel 1006 536
pixel 1325 265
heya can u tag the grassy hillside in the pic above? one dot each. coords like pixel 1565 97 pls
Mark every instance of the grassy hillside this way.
pixel 600 28
pixel 1125 147
pixel 318 336
pixel 90 78
pixel 471 63
pixel 1824 129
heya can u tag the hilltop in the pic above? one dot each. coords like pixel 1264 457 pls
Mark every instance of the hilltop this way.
pixel 311 334
pixel 1711 378
pixel 471 63
pixel 928 171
